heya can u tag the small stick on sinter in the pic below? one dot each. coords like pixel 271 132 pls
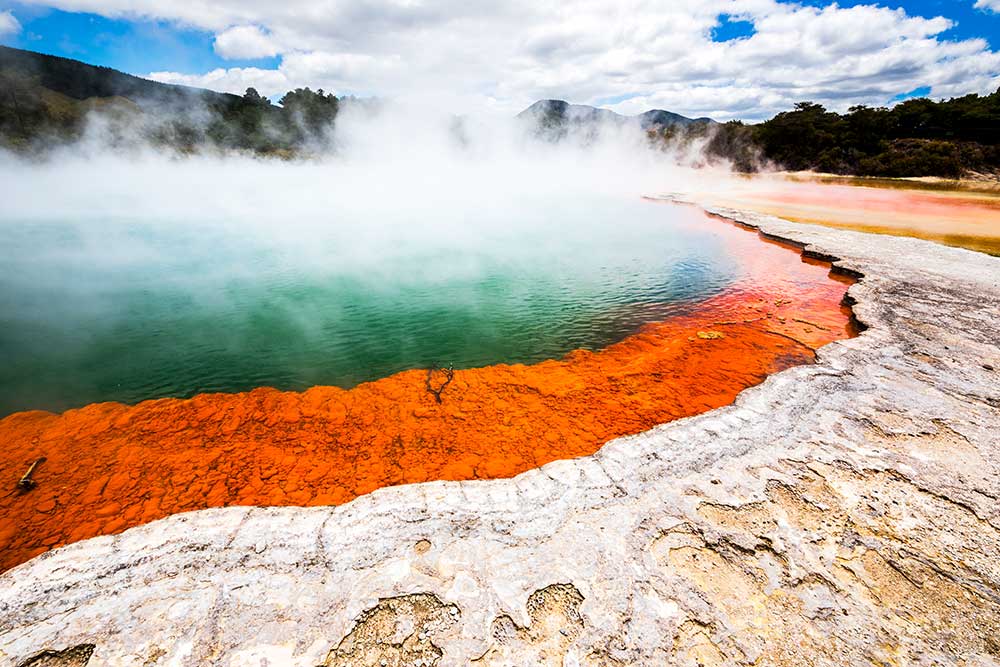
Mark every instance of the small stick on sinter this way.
pixel 449 374
pixel 26 483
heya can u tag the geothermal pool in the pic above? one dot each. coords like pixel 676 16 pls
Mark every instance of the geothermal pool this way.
pixel 127 310
pixel 955 217
pixel 567 327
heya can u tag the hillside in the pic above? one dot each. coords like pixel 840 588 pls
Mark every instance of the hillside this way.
pixel 47 100
pixel 80 81
pixel 554 119
pixel 918 137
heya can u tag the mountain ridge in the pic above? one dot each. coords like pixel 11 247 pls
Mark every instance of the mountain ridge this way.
pixel 81 81
pixel 554 110
pixel 48 100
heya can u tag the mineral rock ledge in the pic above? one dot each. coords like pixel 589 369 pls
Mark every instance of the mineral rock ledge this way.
pixel 838 514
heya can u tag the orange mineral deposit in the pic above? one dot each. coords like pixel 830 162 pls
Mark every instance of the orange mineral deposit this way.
pixel 952 217
pixel 110 466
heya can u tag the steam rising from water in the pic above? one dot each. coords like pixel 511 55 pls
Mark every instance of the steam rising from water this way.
pixel 125 277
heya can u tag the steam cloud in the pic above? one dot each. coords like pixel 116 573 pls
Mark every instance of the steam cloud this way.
pixel 398 198
pixel 399 164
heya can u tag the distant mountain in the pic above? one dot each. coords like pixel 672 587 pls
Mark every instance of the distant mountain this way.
pixel 560 110
pixel 661 118
pixel 556 117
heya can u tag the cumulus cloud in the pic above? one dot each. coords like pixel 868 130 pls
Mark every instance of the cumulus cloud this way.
pixel 234 80
pixel 245 42
pixel 8 24
pixel 991 5
pixel 504 55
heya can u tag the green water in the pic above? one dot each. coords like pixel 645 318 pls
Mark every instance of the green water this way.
pixel 126 310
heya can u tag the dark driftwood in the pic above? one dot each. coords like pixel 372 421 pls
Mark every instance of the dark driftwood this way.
pixel 449 374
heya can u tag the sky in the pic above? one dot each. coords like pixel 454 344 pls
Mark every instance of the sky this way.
pixel 726 59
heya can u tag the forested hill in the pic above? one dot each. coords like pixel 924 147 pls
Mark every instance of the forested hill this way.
pixel 552 114
pixel 47 100
pixel 81 81
pixel 918 137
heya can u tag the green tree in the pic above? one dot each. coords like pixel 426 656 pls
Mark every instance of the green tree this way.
pixel 312 112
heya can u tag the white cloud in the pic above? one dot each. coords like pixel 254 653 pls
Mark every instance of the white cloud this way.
pixel 245 42
pixel 236 80
pixel 8 24
pixel 504 55
pixel 992 5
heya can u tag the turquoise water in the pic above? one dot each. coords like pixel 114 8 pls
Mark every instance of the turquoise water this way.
pixel 126 310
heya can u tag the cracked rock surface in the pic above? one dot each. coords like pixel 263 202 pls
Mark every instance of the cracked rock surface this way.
pixel 842 513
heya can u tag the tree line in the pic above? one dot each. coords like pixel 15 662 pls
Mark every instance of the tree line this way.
pixel 33 118
pixel 48 100
pixel 918 137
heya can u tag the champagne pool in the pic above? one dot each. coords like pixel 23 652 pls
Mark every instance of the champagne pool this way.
pixel 567 327
pixel 123 310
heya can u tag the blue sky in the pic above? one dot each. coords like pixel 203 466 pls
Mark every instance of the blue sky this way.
pixel 970 22
pixel 726 58
pixel 139 46
pixel 131 45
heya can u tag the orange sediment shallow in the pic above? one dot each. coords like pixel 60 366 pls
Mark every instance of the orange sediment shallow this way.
pixel 963 219
pixel 110 466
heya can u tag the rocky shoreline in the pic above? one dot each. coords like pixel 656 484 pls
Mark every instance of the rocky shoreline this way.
pixel 846 512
